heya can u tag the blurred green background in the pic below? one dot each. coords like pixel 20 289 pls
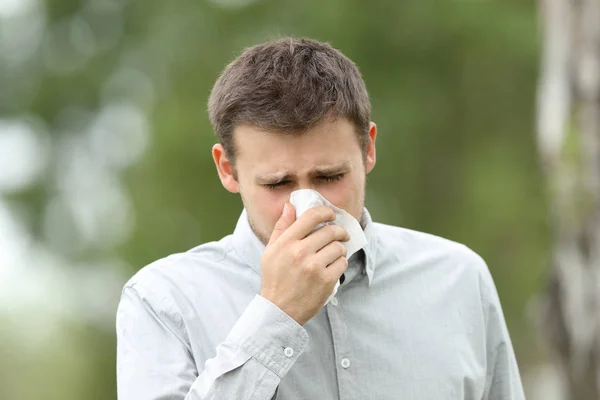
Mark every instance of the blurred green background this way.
pixel 105 159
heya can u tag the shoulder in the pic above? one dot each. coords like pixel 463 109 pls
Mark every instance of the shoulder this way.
pixel 413 247
pixel 421 243
pixel 177 268
pixel 443 263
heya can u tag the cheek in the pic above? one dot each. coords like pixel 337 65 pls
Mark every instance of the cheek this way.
pixel 340 194
pixel 270 203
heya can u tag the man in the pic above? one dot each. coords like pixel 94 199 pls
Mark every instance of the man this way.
pixel 417 316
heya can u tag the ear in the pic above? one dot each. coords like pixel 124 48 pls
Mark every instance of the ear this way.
pixel 370 156
pixel 225 169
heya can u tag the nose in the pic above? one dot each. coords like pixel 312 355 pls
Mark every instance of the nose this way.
pixel 305 184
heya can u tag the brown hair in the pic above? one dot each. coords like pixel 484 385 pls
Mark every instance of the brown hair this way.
pixel 288 85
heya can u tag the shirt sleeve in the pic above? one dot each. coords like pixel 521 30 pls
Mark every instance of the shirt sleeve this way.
pixel 503 381
pixel 155 361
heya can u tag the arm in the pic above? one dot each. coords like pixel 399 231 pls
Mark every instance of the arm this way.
pixel 503 381
pixel 154 357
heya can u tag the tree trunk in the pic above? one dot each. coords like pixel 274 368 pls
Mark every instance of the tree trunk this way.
pixel 569 149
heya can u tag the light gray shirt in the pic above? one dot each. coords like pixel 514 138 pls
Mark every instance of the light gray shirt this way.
pixel 417 317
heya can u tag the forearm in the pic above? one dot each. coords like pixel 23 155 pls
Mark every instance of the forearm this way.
pixel 155 363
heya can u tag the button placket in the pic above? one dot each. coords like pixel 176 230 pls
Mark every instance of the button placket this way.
pixel 339 332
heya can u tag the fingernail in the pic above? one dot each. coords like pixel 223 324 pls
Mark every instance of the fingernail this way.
pixel 285 208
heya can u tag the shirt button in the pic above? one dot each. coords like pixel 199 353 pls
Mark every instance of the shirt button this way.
pixel 345 363
pixel 289 352
pixel 334 301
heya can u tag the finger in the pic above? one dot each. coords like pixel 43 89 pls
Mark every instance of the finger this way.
pixel 335 270
pixel 329 254
pixel 308 221
pixel 325 235
pixel 287 218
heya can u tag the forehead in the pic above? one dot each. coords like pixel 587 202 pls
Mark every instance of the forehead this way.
pixel 328 143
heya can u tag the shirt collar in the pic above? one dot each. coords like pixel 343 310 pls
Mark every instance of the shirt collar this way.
pixel 250 248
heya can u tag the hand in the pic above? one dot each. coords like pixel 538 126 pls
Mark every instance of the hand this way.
pixel 300 269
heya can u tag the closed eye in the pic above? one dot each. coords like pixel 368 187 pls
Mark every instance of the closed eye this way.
pixel 331 178
pixel 275 185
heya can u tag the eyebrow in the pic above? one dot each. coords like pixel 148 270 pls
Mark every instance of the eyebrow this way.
pixel 286 176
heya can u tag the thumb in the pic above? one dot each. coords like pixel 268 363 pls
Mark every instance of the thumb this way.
pixel 288 216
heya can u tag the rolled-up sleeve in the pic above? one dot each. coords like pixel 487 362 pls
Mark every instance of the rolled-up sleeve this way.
pixel 155 361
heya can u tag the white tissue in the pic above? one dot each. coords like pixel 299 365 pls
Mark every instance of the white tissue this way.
pixel 305 199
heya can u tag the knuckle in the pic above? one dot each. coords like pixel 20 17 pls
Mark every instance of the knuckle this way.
pixel 314 213
pixel 298 253
pixel 330 214
pixel 311 266
pixel 345 233
pixel 344 261
pixel 330 231
pixel 340 231
pixel 324 213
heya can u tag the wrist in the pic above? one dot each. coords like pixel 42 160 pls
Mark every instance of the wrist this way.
pixel 286 308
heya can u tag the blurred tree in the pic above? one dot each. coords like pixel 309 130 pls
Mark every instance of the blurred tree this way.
pixel 569 146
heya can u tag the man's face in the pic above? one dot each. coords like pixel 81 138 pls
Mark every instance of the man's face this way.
pixel 270 166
